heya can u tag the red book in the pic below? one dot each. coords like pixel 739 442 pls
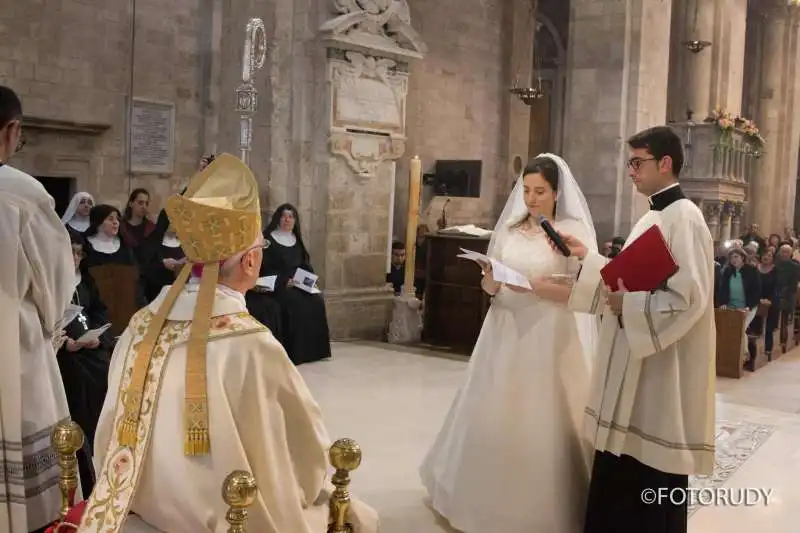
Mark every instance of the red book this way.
pixel 643 265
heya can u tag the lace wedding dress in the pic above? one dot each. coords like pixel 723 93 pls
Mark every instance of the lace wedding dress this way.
pixel 510 457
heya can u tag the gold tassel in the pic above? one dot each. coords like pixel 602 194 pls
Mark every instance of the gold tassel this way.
pixel 197 440
pixel 128 429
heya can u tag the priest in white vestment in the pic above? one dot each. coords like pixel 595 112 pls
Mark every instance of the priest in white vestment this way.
pixel 651 410
pixel 36 283
pixel 198 388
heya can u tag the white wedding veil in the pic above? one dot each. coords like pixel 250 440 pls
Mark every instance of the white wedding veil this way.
pixel 570 205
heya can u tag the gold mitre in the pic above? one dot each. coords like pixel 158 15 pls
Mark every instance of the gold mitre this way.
pixel 216 217
pixel 219 214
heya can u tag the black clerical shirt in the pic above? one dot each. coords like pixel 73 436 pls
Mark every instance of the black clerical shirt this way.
pixel 665 197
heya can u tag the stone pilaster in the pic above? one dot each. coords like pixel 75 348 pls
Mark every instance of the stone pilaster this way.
pixel 516 116
pixel 617 84
pixel 774 190
pixel 714 76
pixel 736 220
pixel 362 118
pixel 727 216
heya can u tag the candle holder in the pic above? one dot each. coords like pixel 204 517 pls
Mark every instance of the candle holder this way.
pixel 406 324
pixel 696 46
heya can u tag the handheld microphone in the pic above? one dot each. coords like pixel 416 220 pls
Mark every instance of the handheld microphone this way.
pixel 553 235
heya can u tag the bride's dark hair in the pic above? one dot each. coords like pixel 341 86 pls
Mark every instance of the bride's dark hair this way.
pixel 549 171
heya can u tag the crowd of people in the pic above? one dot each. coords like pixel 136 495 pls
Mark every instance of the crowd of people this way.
pixel 759 276
pixel 125 260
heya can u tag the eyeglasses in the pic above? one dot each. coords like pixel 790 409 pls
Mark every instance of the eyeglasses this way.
pixel 635 163
pixel 262 246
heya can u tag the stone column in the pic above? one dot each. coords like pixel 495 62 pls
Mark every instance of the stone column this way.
pixel 773 204
pixel 736 220
pixel 711 211
pixel 713 76
pixel 727 214
pixel 363 118
pixel 617 85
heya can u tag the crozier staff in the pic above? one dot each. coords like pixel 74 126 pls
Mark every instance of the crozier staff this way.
pixel 656 356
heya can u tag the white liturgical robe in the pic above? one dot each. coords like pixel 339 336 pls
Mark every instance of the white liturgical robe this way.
pixel 654 378
pixel 262 419
pixel 36 283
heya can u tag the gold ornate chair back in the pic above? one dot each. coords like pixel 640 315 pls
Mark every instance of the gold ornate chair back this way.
pixel 239 489
pixel 67 439
pixel 117 285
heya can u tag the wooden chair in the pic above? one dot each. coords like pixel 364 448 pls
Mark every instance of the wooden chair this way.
pixel 239 489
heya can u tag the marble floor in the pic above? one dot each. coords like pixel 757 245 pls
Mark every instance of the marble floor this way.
pixel 392 401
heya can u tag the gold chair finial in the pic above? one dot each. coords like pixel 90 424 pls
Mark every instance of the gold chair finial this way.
pixel 239 492
pixel 67 438
pixel 345 456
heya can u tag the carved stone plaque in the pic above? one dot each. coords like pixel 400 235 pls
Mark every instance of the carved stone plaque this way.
pixel 368 95
pixel 367 103
pixel 152 136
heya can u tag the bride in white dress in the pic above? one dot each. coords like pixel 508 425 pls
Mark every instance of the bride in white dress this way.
pixel 510 457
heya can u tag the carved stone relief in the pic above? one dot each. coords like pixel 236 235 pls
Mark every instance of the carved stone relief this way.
pixel 364 153
pixel 374 25
pixel 368 99
pixel 368 94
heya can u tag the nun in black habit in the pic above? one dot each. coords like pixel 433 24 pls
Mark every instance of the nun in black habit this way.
pixel 161 258
pixel 304 322
pixel 111 263
pixel 84 364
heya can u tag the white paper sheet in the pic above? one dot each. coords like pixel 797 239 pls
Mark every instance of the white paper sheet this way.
pixel 305 281
pixel 500 272
pixel 93 334
pixel 267 282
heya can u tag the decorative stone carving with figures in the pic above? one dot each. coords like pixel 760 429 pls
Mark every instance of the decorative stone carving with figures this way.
pixel 382 27
pixel 369 45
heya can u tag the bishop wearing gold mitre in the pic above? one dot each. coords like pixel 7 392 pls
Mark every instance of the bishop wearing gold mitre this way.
pixel 198 388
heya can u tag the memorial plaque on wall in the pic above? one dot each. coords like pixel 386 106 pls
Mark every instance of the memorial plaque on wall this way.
pixel 152 136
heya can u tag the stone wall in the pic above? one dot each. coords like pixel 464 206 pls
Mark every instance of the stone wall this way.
pixel 455 101
pixel 71 65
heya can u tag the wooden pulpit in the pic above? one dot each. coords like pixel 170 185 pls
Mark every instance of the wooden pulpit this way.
pixel 118 286
pixel 730 329
pixel 455 303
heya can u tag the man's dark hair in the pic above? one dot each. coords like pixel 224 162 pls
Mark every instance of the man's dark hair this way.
pixel 10 106
pixel 661 141
pixel 397 245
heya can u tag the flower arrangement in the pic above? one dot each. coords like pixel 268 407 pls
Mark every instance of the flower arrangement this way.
pixel 750 130
pixel 724 120
pixel 727 123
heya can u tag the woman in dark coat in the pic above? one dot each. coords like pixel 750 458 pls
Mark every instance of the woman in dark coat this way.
pixel 740 288
pixel 304 322
pixel 766 325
